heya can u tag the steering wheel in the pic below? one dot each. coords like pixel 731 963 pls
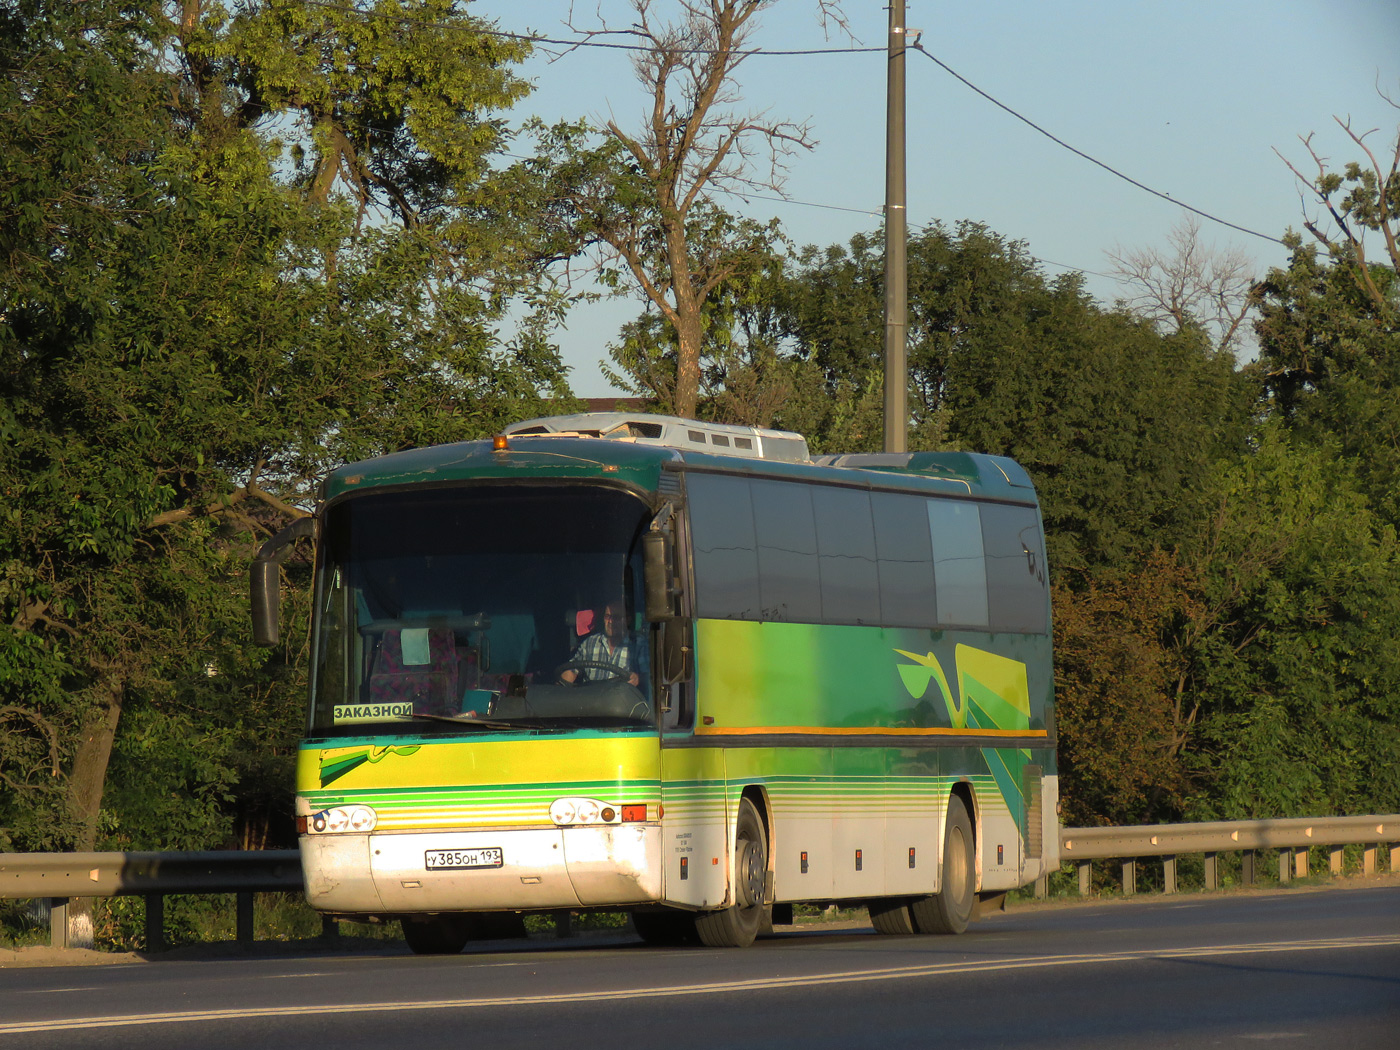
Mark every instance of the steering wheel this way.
pixel 619 673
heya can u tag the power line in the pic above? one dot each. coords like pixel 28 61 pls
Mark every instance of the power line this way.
pixel 1080 153
pixel 587 41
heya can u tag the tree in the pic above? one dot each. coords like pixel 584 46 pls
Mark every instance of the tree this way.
pixel 646 198
pixel 190 333
pixel 1357 199
pixel 1292 662
pixel 1329 324
pixel 1124 726
pixel 1194 285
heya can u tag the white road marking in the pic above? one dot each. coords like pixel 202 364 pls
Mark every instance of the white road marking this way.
pixel 750 984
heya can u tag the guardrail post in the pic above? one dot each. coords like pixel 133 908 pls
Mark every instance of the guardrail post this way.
pixel 1168 874
pixel 563 923
pixel 1334 860
pixel 1212 872
pixel 155 922
pixel 58 922
pixel 245 917
pixel 1247 868
pixel 1368 860
pixel 1086 877
pixel 1300 861
pixel 1394 859
pixel 1129 877
pixel 1042 887
pixel 1285 865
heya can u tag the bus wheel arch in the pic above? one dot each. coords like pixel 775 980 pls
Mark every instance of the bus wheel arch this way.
pixel 951 908
pixel 963 790
pixel 737 925
pixel 760 801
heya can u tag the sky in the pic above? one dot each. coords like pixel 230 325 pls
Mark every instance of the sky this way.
pixel 1191 97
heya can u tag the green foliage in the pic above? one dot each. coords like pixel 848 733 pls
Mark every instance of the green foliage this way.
pixel 1119 711
pixel 1330 356
pixel 191 332
pixel 1298 670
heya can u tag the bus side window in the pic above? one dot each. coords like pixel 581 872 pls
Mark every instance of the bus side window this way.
pixel 1016 584
pixel 905 560
pixel 724 547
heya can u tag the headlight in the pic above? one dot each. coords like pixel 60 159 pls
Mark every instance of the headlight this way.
pixel 562 810
pixel 340 819
pixel 570 811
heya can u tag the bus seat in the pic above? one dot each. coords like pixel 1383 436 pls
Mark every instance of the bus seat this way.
pixel 416 665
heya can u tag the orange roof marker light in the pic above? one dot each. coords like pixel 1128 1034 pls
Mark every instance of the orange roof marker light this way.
pixel 498 444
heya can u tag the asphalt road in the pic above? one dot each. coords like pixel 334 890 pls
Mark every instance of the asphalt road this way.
pixel 1298 968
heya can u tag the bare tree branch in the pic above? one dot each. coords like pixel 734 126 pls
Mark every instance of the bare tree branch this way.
pixel 1191 284
pixel 672 240
pixel 1357 199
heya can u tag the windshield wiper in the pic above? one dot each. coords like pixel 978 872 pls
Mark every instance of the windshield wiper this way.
pixel 459 720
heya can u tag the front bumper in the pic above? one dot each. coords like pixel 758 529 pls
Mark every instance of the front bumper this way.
pixel 543 868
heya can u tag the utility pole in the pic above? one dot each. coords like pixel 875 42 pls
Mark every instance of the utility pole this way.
pixel 896 277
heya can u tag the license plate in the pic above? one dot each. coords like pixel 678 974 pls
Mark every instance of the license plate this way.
pixel 457 859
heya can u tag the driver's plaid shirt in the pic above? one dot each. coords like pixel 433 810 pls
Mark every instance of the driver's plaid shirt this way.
pixel 595 648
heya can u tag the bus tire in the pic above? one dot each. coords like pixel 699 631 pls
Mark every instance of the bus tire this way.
pixel 891 915
pixel 737 925
pixel 436 934
pixel 665 928
pixel 951 910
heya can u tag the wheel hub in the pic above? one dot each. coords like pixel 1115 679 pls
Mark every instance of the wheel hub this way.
pixel 751 873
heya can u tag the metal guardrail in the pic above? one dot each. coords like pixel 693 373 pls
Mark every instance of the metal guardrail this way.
pixel 61 876
pixel 1291 837
pixel 58 877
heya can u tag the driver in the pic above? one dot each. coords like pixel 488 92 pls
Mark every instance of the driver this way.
pixel 611 646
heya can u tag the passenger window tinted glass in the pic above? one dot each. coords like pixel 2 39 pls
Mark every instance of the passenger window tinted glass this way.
pixel 726 559
pixel 1016 582
pixel 959 572
pixel 788 579
pixel 850 584
pixel 905 560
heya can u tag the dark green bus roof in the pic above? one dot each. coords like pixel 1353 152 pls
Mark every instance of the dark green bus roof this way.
pixel 640 466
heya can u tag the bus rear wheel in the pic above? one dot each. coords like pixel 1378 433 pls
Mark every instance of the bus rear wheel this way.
pixel 951 910
pixel 436 934
pixel 738 925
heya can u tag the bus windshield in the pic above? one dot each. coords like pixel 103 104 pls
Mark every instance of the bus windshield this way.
pixel 482 607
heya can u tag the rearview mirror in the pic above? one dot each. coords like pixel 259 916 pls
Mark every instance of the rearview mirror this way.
pixel 265 584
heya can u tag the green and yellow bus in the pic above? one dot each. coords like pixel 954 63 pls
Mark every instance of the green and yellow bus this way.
pixel 639 663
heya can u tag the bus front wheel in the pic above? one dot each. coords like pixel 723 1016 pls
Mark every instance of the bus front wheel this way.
pixel 950 910
pixel 669 928
pixel 437 934
pixel 738 925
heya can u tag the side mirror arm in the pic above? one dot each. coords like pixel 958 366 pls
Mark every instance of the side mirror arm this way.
pixel 266 581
